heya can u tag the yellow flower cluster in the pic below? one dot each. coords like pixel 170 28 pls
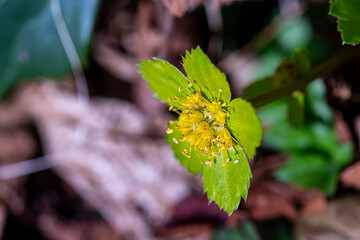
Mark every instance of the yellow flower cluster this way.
pixel 202 123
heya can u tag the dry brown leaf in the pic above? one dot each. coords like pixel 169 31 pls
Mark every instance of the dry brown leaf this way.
pixel 102 151
pixel 17 144
pixel 340 221
pixel 313 201
pixel 57 229
pixel 270 200
pixel 179 7
pixel 193 231
pixel 350 177
pixel 342 130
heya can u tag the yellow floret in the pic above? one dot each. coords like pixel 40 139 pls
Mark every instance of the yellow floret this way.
pixel 226 141
pixel 193 101
pixel 213 107
pixel 202 124
pixel 220 117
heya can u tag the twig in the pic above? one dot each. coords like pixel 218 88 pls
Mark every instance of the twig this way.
pixel 26 167
pixel 322 69
pixel 70 51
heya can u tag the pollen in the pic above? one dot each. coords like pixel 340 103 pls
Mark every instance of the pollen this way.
pixel 202 123
pixel 186 155
pixel 195 101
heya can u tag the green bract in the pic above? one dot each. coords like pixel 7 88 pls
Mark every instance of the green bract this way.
pixel 213 135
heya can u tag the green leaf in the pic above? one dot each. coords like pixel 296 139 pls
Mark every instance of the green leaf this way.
pixel 286 72
pixel 226 179
pixel 205 76
pixel 245 125
pixel 296 113
pixel 343 154
pixel 316 169
pixel 347 12
pixel 273 113
pixel 259 87
pixel 302 61
pixel 323 137
pixel 267 64
pixel 316 103
pixel 246 231
pixel 30 45
pixel 295 33
pixel 164 79
pixel 310 170
pixel 283 137
pixel 192 164
pixel 226 185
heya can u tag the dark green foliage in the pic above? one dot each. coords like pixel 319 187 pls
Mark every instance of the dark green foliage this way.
pixel 30 45
pixel 347 13
pixel 315 155
pixel 246 231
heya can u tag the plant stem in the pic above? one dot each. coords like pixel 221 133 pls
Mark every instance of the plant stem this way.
pixel 322 69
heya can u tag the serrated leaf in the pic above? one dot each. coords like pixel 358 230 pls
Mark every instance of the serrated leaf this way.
pixel 296 113
pixel 165 80
pixel 245 125
pixel 226 179
pixel 30 45
pixel 347 12
pixel 205 76
pixel 192 164
pixel 227 183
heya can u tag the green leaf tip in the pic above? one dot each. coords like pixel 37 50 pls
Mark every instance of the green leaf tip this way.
pixel 226 183
pixel 213 135
pixel 207 77
pixel 164 79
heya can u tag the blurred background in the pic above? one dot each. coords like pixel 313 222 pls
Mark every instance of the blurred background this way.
pixel 82 148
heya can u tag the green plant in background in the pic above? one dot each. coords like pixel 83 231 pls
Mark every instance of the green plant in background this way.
pixel 306 134
pixel 31 44
pixel 217 137
pixel 246 231
pixel 213 135
pixel 315 155
pixel 287 72
pixel 347 12
pixel 301 124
